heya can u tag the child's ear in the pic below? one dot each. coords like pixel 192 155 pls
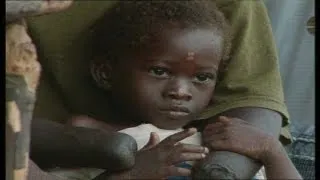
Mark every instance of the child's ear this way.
pixel 101 73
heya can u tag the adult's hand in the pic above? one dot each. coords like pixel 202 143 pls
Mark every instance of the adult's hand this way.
pixel 23 8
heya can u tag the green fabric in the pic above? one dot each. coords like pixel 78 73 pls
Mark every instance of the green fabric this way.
pixel 252 78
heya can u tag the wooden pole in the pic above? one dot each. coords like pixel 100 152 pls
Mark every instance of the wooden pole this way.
pixel 22 77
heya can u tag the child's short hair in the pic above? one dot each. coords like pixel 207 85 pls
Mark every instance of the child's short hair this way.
pixel 127 27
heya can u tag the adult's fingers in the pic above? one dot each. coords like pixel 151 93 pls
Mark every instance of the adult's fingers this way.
pixel 175 138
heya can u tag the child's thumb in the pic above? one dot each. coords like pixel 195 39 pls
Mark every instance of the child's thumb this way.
pixel 153 141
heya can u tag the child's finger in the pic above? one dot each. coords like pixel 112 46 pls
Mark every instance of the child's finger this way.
pixel 173 139
pixel 228 120
pixel 153 141
pixel 213 129
pixel 219 145
pixel 225 120
pixel 190 148
pixel 176 158
pixel 214 125
pixel 215 137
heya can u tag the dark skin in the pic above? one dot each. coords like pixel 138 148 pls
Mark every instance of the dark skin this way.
pixel 172 81
pixel 75 142
pixel 236 135
pixel 157 159
pixel 240 166
pixel 168 88
pixel 269 120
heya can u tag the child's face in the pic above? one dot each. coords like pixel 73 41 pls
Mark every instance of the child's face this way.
pixel 172 81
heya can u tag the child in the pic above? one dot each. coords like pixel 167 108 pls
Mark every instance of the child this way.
pixel 159 62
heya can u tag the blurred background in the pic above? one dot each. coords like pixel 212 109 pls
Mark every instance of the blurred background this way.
pixel 293 28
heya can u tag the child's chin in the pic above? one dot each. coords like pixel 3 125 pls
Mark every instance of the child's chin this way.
pixel 170 124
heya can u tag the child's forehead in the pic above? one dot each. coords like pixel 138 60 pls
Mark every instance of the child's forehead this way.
pixel 197 38
pixel 189 41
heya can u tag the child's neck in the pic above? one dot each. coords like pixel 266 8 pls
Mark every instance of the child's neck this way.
pixel 122 122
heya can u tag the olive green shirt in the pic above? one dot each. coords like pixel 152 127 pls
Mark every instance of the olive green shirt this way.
pixel 252 78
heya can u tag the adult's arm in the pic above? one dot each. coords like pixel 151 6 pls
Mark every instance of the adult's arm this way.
pixel 57 145
pixel 229 165
pixel 250 88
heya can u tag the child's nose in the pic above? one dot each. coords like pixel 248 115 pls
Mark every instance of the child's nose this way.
pixel 179 90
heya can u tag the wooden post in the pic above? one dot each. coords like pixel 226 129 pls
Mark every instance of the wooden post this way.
pixel 22 77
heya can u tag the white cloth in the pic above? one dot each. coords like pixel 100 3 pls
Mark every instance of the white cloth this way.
pixel 141 134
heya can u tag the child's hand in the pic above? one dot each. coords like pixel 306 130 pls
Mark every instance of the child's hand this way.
pixel 157 160
pixel 235 135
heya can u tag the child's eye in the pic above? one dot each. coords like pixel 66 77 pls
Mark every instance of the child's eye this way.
pixel 159 71
pixel 203 77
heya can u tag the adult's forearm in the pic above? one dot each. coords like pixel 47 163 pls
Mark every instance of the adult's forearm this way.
pixel 56 145
pixel 277 163
pixel 229 165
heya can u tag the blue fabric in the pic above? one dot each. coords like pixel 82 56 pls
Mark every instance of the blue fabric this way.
pixel 302 152
pixel 182 165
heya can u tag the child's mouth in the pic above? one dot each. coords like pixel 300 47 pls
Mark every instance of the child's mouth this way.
pixel 176 112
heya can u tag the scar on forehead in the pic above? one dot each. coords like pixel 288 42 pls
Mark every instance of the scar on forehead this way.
pixel 190 56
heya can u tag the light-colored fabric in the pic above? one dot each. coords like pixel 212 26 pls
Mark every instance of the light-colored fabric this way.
pixel 252 78
pixel 141 134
